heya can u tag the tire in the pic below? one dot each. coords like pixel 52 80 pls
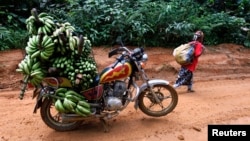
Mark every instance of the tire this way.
pixel 52 118
pixel 168 100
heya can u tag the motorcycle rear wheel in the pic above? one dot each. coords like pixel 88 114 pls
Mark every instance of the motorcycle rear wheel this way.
pixel 167 96
pixel 52 118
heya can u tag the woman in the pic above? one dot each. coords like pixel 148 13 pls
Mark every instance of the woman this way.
pixel 185 76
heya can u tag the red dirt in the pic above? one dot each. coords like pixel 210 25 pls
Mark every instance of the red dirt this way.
pixel 221 96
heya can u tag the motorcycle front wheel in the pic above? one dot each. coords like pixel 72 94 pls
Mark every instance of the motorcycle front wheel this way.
pixel 167 96
pixel 52 118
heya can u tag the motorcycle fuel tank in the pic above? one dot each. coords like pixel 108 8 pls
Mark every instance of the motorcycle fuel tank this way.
pixel 120 71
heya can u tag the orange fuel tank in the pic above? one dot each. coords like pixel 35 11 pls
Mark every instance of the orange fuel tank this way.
pixel 120 71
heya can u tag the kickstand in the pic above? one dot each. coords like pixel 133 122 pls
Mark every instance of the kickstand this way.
pixel 105 124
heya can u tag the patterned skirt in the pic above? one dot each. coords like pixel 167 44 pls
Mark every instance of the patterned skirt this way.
pixel 185 77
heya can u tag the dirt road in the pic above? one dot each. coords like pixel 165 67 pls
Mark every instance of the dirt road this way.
pixel 214 102
pixel 222 96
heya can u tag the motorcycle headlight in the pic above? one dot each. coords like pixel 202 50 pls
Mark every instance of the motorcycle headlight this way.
pixel 144 58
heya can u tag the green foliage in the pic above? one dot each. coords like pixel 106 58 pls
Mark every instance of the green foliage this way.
pixel 139 23
pixel 220 27
pixel 11 39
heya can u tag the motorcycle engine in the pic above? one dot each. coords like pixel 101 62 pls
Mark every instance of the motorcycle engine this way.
pixel 114 95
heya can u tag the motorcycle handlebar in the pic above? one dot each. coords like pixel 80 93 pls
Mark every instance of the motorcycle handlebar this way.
pixel 124 51
pixel 118 51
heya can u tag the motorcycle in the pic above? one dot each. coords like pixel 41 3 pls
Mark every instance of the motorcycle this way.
pixel 111 92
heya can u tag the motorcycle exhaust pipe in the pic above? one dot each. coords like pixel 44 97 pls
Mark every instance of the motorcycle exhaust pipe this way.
pixel 72 117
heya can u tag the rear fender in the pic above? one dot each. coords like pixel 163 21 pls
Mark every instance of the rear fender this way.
pixel 145 86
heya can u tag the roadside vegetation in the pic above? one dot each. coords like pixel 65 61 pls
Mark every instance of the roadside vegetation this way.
pixel 145 23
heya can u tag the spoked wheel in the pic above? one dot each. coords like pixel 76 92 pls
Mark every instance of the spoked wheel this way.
pixel 52 117
pixel 167 97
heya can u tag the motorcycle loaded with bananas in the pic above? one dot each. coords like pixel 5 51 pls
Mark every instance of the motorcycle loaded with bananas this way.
pixel 67 86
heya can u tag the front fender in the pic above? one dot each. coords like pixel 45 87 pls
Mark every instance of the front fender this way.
pixel 39 100
pixel 39 94
pixel 145 86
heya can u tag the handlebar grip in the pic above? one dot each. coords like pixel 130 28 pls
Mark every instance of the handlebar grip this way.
pixel 115 64
pixel 118 61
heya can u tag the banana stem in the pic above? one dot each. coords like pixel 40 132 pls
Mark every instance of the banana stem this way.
pixel 40 41
pixel 61 35
pixel 80 46
pixel 37 20
pixel 35 14
pixel 24 85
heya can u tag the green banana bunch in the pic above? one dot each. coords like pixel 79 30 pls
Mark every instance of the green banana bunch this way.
pixel 73 42
pixel 31 68
pixel 80 105
pixel 30 25
pixel 40 46
pixel 59 106
pixel 48 48
pixel 25 65
pixel 49 25
pixel 40 24
pixel 37 76
pixel 56 45
pixel 71 101
pixel 86 47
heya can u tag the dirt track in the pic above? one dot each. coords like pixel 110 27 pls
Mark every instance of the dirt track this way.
pixel 222 97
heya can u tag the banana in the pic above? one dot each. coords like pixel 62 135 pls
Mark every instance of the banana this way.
pixel 29 61
pixel 34 81
pixel 30 19
pixel 73 98
pixel 39 77
pixel 56 32
pixel 31 43
pixel 20 65
pixel 42 15
pixel 44 30
pixel 40 31
pixel 60 94
pixel 49 21
pixel 36 65
pixel 66 24
pixel 71 92
pixel 46 40
pixel 36 39
pixel 19 70
pixel 43 56
pixel 77 40
pixel 50 46
pixel 59 106
pixel 79 112
pixel 26 69
pixel 71 43
pixel 47 29
pixel 48 52
pixel 36 72
pixel 61 90
pixel 28 50
pixel 35 54
pixel 83 110
pixel 69 105
pixel 83 103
